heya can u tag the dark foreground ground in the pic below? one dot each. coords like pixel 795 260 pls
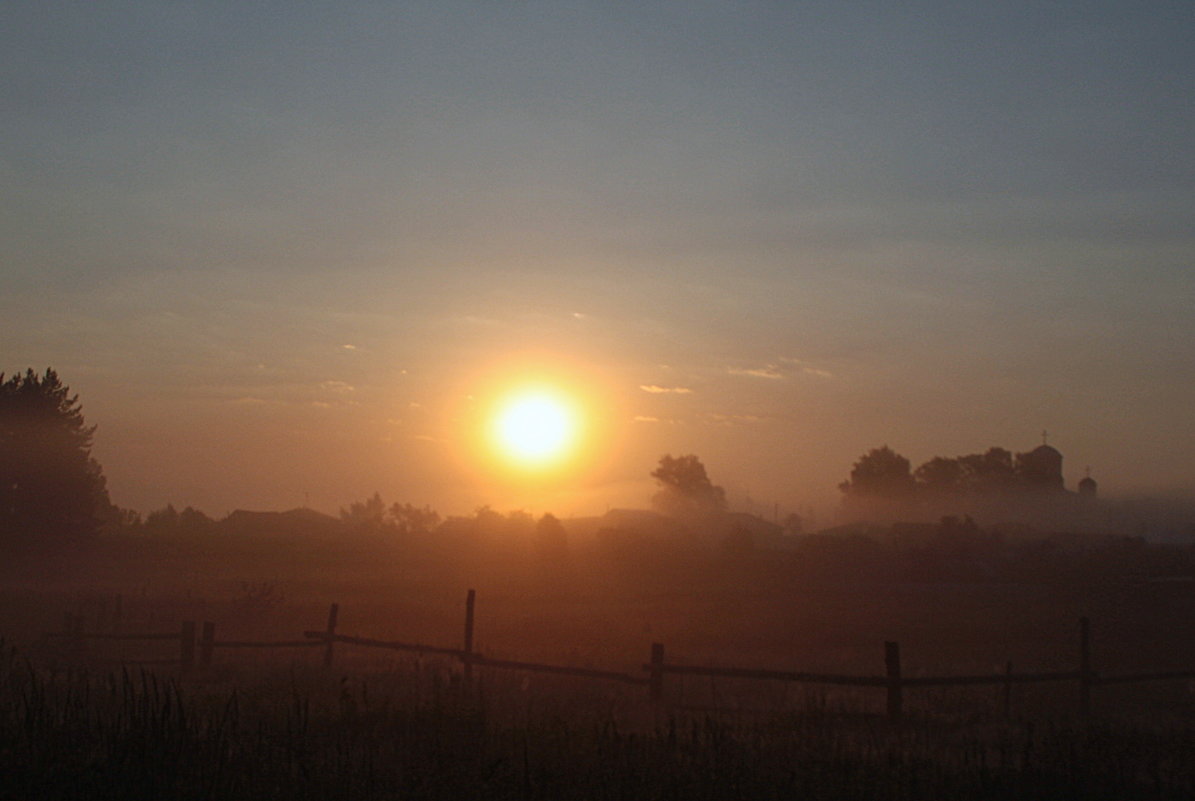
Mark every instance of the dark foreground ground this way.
pixel 264 725
pixel 134 735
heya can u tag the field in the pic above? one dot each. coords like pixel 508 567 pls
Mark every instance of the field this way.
pixel 266 724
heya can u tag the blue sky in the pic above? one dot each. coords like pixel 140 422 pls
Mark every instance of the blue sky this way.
pixel 940 226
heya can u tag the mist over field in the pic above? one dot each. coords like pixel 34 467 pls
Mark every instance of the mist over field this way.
pixel 669 400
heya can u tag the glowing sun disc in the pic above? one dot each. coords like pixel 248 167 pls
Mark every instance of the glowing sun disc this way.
pixel 534 428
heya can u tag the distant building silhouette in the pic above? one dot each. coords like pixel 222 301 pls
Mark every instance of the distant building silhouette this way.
pixel 992 486
pixel 1041 468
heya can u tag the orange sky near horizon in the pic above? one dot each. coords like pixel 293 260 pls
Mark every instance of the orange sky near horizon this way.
pixel 292 256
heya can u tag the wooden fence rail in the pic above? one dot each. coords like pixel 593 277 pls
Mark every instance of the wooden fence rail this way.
pixel 208 644
pixel 999 678
pixel 560 670
pixel 769 675
pixel 892 680
pixel 895 682
pixel 393 645
pixel 185 637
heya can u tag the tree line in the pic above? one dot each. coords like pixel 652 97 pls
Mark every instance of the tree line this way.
pixel 52 488
pixel 882 472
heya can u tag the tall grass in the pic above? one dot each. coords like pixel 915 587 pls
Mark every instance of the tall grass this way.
pixel 419 734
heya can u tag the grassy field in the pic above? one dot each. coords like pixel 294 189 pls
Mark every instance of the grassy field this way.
pixel 276 724
pixel 418 734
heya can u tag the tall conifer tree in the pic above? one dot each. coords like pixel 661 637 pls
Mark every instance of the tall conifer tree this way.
pixel 50 486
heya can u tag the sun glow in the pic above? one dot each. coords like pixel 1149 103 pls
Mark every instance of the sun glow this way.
pixel 534 427
pixel 532 423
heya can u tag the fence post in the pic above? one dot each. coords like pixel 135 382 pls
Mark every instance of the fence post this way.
pixel 186 645
pixel 655 685
pixel 470 600
pixel 892 668
pixel 333 613
pixel 1085 677
pixel 207 644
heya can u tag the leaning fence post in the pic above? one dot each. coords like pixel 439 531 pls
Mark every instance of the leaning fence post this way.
pixel 186 645
pixel 655 684
pixel 330 642
pixel 470 599
pixel 892 668
pixel 1085 677
pixel 207 643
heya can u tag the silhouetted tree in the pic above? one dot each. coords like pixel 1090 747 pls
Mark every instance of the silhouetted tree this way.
pixel 162 520
pixel 487 521
pixel 519 521
pixel 169 520
pixel 490 525
pixel 685 487
pixel 193 521
pixel 367 515
pixel 992 473
pixel 126 519
pixel 373 516
pixel 551 540
pixel 879 473
pixel 50 486
pixel 939 474
pixel 988 472
pixel 410 519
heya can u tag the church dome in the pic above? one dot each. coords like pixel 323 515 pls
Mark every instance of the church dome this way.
pixel 1045 452
pixel 1041 467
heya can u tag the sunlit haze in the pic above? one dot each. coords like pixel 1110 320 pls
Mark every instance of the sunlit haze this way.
pixel 579 399
pixel 292 255
pixel 533 428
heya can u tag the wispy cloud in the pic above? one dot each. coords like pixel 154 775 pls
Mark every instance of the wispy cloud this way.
pixel 655 389
pixel 733 419
pixel 641 418
pixel 336 386
pixel 806 368
pixel 770 372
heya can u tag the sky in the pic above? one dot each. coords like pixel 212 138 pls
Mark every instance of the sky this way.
pixel 287 252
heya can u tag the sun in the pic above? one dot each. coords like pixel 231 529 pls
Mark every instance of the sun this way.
pixel 534 427
pixel 534 422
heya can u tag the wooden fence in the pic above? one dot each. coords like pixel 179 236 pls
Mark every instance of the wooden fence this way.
pixel 74 634
pixel 893 681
